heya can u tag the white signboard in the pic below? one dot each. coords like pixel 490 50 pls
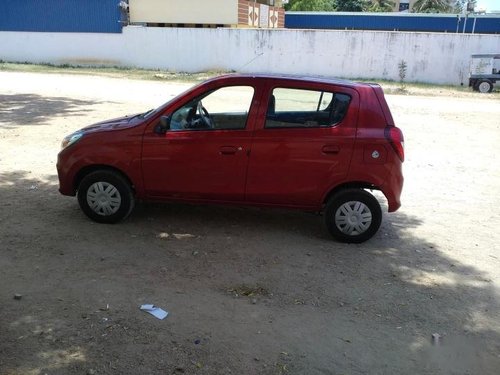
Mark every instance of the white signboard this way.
pixel 264 16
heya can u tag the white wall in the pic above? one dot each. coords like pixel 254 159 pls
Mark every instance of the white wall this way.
pixel 431 57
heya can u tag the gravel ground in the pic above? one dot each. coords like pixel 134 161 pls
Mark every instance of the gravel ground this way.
pixel 249 291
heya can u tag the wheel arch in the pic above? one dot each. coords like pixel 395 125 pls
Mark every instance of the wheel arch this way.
pixel 99 167
pixel 349 185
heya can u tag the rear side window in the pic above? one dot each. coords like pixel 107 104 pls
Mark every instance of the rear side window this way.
pixel 297 108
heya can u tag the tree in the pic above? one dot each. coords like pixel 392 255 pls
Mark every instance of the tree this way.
pixel 382 6
pixel 310 5
pixel 351 5
pixel 460 6
pixel 432 6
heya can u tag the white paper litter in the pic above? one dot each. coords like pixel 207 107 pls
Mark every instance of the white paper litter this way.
pixel 155 311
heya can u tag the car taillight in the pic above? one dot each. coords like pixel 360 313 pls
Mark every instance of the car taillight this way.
pixel 395 137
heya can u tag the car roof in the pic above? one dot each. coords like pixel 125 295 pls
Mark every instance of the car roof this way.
pixel 293 78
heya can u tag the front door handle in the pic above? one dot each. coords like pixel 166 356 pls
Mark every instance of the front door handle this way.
pixel 330 149
pixel 229 150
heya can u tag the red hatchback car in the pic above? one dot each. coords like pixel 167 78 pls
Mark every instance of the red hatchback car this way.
pixel 263 140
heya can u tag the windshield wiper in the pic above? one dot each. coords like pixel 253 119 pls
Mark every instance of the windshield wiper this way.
pixel 145 114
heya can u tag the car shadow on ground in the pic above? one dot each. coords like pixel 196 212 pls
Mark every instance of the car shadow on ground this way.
pixel 15 109
pixel 331 307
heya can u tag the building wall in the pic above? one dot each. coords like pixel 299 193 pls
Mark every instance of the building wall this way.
pixel 91 16
pixel 253 14
pixel 214 12
pixel 404 5
pixel 181 11
pixel 430 57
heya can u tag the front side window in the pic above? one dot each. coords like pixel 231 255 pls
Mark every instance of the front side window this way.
pixel 297 108
pixel 224 109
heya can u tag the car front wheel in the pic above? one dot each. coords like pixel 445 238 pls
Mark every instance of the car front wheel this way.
pixel 105 196
pixel 353 216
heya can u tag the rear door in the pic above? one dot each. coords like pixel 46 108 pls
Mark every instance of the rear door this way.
pixel 303 143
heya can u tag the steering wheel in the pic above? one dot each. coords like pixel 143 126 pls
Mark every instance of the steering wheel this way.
pixel 204 115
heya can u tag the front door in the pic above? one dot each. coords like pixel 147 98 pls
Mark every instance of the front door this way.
pixel 204 154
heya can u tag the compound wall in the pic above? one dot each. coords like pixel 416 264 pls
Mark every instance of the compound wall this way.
pixel 430 57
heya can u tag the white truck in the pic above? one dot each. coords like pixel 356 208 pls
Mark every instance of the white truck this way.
pixel 484 71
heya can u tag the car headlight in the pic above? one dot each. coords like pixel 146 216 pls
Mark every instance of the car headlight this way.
pixel 70 139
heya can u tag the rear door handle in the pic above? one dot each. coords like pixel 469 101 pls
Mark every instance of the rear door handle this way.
pixel 330 149
pixel 229 150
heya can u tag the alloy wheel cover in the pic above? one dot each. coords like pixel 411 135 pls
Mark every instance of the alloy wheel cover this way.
pixel 103 198
pixel 353 218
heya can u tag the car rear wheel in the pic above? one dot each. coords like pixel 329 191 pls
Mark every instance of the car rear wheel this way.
pixel 353 216
pixel 485 86
pixel 105 196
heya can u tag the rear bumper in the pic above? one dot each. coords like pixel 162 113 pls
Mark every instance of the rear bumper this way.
pixel 393 187
pixel 394 203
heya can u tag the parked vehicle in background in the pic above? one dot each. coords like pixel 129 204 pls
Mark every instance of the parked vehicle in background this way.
pixel 263 140
pixel 484 72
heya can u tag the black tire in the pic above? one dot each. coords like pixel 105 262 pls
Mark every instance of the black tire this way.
pixel 353 216
pixel 111 194
pixel 484 86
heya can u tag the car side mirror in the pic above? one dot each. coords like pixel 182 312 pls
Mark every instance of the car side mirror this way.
pixel 163 126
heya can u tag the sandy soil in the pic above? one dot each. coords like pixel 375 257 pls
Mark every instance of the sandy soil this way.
pixel 249 291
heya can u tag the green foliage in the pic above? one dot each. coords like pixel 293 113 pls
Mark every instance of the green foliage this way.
pixel 342 5
pixel 461 5
pixel 433 6
pixel 351 5
pixel 310 5
pixel 382 6
pixel 420 6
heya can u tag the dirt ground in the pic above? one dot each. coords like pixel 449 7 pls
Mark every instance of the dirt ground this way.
pixel 248 291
